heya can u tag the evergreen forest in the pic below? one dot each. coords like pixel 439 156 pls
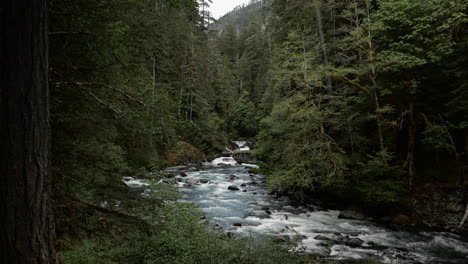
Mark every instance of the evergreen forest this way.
pixel 358 106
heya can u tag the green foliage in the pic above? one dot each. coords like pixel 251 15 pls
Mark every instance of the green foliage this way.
pixel 244 116
pixel 437 137
pixel 379 186
pixel 294 141
pixel 179 237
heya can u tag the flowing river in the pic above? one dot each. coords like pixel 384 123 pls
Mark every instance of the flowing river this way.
pixel 252 212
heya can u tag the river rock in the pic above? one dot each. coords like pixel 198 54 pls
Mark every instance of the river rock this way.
pixel 233 177
pixel 354 242
pixel 230 234
pixel 169 181
pixel 253 171
pixel 324 238
pixel 216 227
pixel 400 219
pixel 243 185
pixel 183 174
pixel 191 169
pixel 174 169
pixel 237 224
pixel 375 246
pixel 233 188
pixel 204 181
pixel 351 215
pixel 192 181
pixel 281 239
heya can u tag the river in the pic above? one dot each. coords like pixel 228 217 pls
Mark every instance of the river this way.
pixel 252 212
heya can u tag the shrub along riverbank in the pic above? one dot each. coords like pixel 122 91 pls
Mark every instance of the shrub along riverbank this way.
pixel 155 228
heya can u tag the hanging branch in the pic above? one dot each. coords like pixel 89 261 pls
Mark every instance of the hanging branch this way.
pixel 360 87
pixel 100 84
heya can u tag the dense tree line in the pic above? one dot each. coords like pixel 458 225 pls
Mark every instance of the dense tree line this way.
pixel 359 99
pixel 365 99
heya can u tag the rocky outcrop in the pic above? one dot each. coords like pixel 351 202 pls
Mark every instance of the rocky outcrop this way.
pixel 439 206
pixel 351 215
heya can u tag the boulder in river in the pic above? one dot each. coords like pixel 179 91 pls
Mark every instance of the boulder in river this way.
pixel 233 188
pixel 351 215
pixel 400 220
pixel 324 238
pixel 354 242
pixel 183 174
pixel 253 171
pixel 203 181
pixel 243 185
pixel 237 224
pixel 193 181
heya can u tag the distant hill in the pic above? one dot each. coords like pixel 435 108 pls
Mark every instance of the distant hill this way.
pixel 239 17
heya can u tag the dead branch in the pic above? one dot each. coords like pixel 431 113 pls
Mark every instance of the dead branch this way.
pixel 360 87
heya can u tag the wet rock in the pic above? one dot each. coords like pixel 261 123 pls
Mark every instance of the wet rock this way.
pixel 204 181
pixel 192 169
pixel 281 239
pixel 174 169
pixel 233 177
pixel 193 181
pixel 230 234
pixel 237 224
pixel 253 171
pixel 168 174
pixel 170 181
pixel 244 191
pixel 385 219
pixel 252 183
pixel 233 188
pixel 354 242
pixel 243 185
pixel 375 246
pixel 216 227
pixel 400 220
pixel 183 174
pixel 351 215
pixel 324 238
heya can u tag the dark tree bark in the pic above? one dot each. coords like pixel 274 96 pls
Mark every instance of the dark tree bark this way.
pixel 26 227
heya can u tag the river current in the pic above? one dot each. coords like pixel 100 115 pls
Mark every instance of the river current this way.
pixel 252 212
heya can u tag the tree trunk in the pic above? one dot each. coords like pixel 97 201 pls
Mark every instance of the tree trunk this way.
pixel 466 146
pixel 409 163
pixel 26 227
pixel 318 13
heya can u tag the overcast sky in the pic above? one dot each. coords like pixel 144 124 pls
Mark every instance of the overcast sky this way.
pixel 220 7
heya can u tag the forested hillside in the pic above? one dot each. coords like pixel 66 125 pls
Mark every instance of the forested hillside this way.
pixel 352 104
pixel 366 100
pixel 360 100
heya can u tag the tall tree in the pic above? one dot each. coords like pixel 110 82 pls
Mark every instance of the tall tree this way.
pixel 26 225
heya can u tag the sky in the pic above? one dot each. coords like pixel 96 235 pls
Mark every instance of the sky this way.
pixel 220 7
